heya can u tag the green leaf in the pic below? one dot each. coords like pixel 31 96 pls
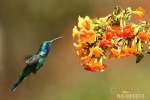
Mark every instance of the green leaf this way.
pixel 139 57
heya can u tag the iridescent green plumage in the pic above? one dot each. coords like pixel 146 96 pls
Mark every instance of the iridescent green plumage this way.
pixel 35 62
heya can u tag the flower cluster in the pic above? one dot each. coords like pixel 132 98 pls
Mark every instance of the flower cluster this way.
pixel 113 36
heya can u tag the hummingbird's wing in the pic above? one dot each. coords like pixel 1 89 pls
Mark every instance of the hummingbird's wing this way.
pixel 33 59
pixel 38 60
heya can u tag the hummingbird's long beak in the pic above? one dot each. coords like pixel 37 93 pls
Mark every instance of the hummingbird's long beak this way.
pixel 55 39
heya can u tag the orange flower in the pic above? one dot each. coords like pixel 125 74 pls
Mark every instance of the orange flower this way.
pixel 86 36
pixel 86 60
pixel 75 32
pixel 139 12
pixel 127 31
pixel 113 34
pixel 114 53
pixel 126 51
pixel 85 23
pixel 96 51
pixel 143 36
pixel 133 49
pixel 109 33
pixel 104 43
pixel 81 52
pixel 118 31
pixel 93 65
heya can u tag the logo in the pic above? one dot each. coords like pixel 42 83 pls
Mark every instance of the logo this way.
pixel 127 93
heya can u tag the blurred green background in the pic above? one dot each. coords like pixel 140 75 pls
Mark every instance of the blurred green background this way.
pixel 24 24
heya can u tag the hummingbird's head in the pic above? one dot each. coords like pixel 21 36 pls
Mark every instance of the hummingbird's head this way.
pixel 45 46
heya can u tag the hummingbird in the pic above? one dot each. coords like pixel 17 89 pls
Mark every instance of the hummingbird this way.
pixel 35 62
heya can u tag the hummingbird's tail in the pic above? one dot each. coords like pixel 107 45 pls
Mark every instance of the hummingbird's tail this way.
pixel 21 78
pixel 56 39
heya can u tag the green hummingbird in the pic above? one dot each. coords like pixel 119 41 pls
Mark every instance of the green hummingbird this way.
pixel 35 62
